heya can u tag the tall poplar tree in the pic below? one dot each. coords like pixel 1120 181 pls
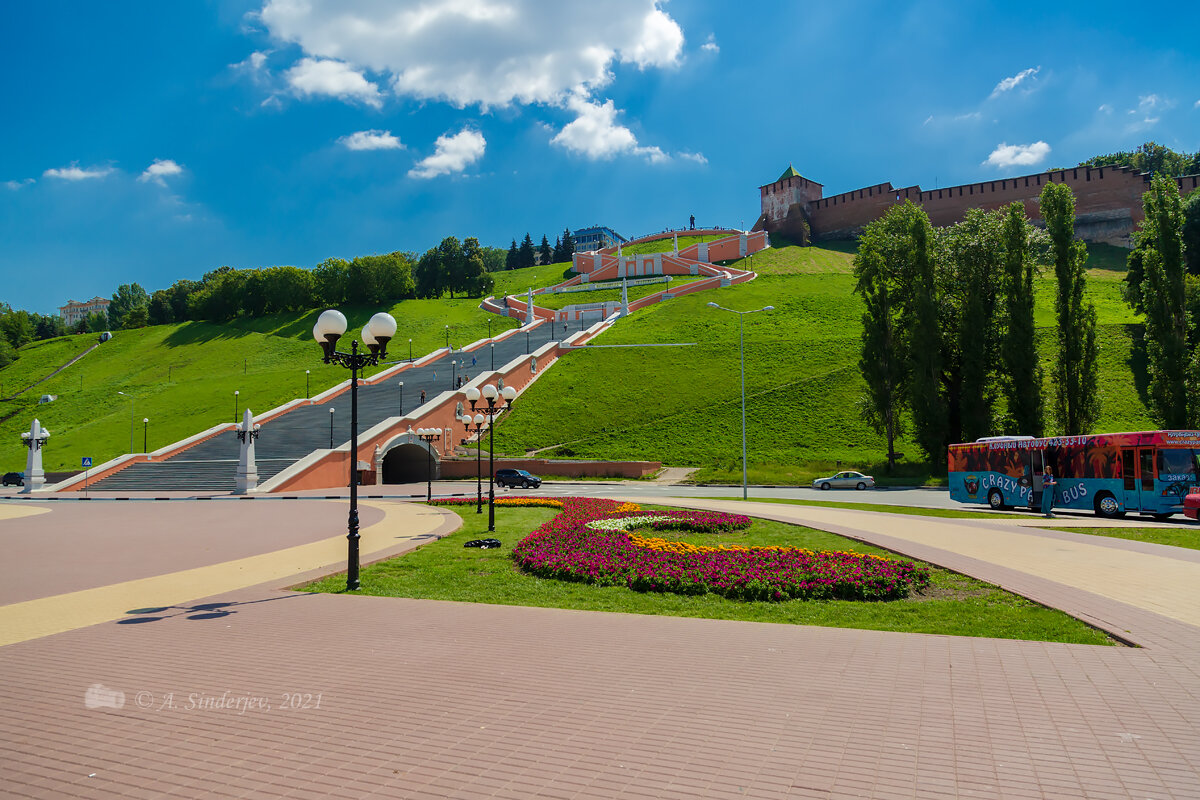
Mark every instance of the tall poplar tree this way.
pixel 1018 352
pixel 925 348
pixel 1160 249
pixel 1076 399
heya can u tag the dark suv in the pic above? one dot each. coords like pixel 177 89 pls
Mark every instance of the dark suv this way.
pixel 14 479
pixel 517 477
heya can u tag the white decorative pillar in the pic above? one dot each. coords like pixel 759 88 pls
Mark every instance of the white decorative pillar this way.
pixel 529 308
pixel 675 239
pixel 247 471
pixel 624 297
pixel 35 477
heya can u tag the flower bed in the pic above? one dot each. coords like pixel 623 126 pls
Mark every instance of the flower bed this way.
pixel 590 542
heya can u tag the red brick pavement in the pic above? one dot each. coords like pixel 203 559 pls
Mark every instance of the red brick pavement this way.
pixel 449 700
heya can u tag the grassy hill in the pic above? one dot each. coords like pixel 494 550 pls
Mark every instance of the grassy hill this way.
pixel 668 244
pixel 682 405
pixel 182 377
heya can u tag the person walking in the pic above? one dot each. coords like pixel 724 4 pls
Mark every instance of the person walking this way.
pixel 1048 492
pixel 422 397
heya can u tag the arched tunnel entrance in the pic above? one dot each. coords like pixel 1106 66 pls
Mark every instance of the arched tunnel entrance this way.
pixel 409 463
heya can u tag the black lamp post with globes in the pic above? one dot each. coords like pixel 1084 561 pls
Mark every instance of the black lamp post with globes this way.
pixel 376 335
pixel 494 401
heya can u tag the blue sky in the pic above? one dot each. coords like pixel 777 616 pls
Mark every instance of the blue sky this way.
pixel 152 141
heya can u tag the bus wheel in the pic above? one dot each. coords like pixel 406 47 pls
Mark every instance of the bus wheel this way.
pixel 996 500
pixel 1164 517
pixel 1108 507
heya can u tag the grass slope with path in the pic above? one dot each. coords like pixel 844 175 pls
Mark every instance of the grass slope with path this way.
pixel 953 605
pixel 682 405
pixel 183 376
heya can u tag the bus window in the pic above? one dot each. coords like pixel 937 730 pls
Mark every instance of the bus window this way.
pixel 1177 465
pixel 1129 470
pixel 1147 458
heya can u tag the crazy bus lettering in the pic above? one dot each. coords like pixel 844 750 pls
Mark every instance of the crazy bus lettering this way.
pixel 1150 471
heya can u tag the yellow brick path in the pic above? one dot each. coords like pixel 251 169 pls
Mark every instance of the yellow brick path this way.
pixel 48 615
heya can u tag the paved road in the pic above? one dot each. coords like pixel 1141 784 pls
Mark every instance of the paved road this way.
pixel 257 691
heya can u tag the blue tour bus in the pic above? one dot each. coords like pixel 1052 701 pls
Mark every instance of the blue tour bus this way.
pixel 1111 473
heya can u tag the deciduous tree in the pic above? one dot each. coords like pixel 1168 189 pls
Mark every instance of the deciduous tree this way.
pixel 1023 376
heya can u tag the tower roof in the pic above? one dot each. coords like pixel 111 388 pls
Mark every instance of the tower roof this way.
pixel 790 172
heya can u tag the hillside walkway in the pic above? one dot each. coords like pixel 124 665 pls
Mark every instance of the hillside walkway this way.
pixel 258 692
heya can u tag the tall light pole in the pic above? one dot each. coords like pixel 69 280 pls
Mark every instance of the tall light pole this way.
pixel 235 404
pixel 429 436
pixel 331 428
pixel 410 349
pixel 478 421
pixel 145 430
pixel 742 358
pixel 376 335
pixel 453 373
pixel 493 355
pixel 131 418
pixel 494 402
pixel 307 386
pixel 402 398
pixel 447 337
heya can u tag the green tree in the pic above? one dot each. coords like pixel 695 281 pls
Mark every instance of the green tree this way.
pixel 453 264
pixel 1159 244
pixel 1191 231
pixel 160 311
pixel 545 254
pixel 1022 369
pixel 568 245
pixel 96 322
pixel 526 256
pixel 493 259
pixel 475 278
pixel 128 297
pixel 430 278
pixel 1076 400
pixel 329 282
pixel 881 361
pixel 17 327
pixel 925 345
pixel 513 257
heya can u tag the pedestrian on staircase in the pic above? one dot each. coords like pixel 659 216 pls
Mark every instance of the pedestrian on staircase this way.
pixel 422 397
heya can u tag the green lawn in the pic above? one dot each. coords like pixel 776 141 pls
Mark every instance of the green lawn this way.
pixel 182 377
pixel 1188 537
pixel 564 299
pixel 954 604
pixel 668 244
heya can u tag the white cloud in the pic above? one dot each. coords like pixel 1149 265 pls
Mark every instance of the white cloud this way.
pixel 484 52
pixel 451 154
pixel 1196 104
pixel 1018 155
pixel 312 76
pixel 711 45
pixel 76 173
pixel 161 169
pixel 1105 108
pixel 697 157
pixel 973 116
pixel 252 63
pixel 1008 84
pixel 371 140
pixel 15 185
pixel 595 133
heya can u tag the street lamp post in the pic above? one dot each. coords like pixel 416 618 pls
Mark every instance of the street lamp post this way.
pixel 131 419
pixel 493 355
pixel 402 398
pixel 494 402
pixel 376 335
pixel 526 342
pixel 410 349
pixel 307 386
pixel 742 358
pixel 477 421
pixel 429 436
pixel 145 433
pixel 235 404
pixel 453 373
pixel 447 337
pixel 330 428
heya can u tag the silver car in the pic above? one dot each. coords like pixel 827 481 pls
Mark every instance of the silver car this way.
pixel 845 480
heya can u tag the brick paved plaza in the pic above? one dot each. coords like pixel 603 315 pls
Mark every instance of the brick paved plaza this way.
pixel 249 690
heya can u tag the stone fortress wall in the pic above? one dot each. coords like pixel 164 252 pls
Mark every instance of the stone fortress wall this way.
pixel 1108 202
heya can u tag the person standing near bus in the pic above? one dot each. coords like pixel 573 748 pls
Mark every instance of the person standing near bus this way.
pixel 1048 492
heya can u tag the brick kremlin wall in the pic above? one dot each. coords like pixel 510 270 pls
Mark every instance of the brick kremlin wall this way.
pixel 1108 202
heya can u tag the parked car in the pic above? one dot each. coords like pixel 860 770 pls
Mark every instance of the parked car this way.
pixel 14 479
pixel 845 480
pixel 517 477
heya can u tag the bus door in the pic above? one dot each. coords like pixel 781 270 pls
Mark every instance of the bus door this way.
pixel 1129 469
pixel 1149 499
pixel 1037 468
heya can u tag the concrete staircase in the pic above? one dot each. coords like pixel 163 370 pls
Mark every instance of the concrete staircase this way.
pixel 211 465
